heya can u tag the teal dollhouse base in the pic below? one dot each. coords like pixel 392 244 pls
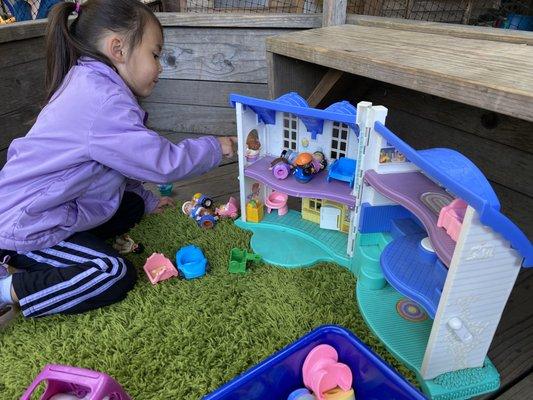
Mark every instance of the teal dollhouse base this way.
pixel 402 325
pixel 276 237
pixel 404 328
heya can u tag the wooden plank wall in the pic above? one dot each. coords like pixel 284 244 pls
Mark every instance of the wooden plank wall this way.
pixel 22 65
pixel 207 57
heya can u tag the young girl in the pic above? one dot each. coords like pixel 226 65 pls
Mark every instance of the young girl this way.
pixel 75 179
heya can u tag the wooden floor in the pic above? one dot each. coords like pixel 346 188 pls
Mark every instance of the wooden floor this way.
pixel 512 348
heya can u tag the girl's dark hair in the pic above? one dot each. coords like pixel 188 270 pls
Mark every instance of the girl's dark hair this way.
pixel 65 44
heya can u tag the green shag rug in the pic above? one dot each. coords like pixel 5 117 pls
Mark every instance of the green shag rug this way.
pixel 182 339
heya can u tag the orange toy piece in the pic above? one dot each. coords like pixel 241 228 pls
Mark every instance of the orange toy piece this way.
pixel 303 159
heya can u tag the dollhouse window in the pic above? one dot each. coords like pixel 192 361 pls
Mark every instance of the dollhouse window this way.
pixel 315 204
pixel 339 140
pixel 290 131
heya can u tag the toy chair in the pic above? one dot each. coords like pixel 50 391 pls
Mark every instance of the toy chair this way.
pixel 239 258
pixel 451 218
pixel 159 268
pixel 277 201
pixel 343 169
pixel 322 372
pixel 191 262
pixel 81 382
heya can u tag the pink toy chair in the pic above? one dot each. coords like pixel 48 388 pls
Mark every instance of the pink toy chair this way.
pixel 322 372
pixel 277 201
pixel 451 218
pixel 159 268
pixel 83 383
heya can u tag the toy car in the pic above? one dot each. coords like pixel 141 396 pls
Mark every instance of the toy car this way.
pixel 191 262
pixel 200 209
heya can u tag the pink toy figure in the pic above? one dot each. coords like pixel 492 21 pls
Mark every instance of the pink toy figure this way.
pixel 451 218
pixel 83 383
pixel 159 268
pixel 322 372
pixel 277 201
pixel 230 209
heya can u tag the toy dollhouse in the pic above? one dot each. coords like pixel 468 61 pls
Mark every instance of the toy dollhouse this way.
pixel 435 260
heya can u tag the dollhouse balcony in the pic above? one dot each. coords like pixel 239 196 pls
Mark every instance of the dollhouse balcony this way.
pixel 407 189
pixel 318 187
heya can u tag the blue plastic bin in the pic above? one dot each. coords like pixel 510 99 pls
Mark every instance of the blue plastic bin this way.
pixel 277 376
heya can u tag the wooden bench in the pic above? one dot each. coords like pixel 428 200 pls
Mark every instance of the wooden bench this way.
pixel 465 88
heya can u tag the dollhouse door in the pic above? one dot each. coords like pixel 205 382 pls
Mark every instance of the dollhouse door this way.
pixel 330 218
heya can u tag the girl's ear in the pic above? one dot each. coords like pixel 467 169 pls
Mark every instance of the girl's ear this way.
pixel 115 49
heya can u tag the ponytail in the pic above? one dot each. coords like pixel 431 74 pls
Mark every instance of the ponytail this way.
pixel 65 44
pixel 60 51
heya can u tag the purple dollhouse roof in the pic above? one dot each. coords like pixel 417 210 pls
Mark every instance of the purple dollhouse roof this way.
pixel 293 103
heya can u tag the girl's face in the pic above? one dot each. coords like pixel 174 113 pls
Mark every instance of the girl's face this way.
pixel 142 67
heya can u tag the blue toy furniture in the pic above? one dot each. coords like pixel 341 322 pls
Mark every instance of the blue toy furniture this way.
pixel 343 169
pixel 191 262
pixel 279 375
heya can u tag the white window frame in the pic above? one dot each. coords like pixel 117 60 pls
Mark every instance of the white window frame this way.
pixel 339 135
pixel 290 131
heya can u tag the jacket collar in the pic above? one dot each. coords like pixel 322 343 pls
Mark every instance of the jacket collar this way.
pixel 106 70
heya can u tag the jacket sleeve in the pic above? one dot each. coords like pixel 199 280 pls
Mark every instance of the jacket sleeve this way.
pixel 119 140
pixel 150 199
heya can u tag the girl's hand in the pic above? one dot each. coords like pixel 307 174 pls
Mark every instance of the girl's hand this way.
pixel 227 143
pixel 164 202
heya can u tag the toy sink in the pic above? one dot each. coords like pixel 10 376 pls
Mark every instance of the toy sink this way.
pixel 191 262
pixel 239 258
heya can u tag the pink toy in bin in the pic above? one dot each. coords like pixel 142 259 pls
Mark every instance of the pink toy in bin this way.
pixel 451 218
pixel 82 383
pixel 322 372
pixel 277 201
pixel 159 268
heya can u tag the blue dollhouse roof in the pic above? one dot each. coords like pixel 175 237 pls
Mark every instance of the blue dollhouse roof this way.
pixel 293 103
pixel 461 177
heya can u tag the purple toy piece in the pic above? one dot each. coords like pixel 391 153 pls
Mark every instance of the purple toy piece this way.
pixel 281 170
pixel 82 382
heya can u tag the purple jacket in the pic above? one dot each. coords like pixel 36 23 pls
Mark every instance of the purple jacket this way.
pixel 88 146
